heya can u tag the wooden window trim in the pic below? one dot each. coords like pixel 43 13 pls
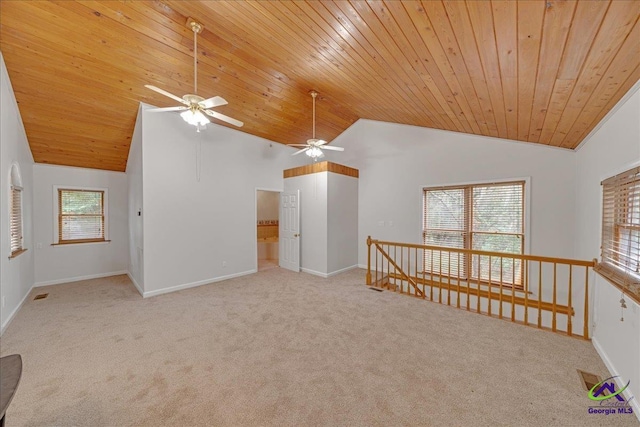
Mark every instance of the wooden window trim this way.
pixel 17 253
pixel 620 213
pixel 468 233
pixel 60 240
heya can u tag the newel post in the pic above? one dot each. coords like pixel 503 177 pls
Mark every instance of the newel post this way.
pixel 369 260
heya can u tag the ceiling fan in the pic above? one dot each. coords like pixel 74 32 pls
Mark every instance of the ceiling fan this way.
pixel 195 109
pixel 314 146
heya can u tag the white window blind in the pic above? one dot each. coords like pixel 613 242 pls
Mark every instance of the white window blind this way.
pixel 80 216
pixel 620 245
pixel 15 220
pixel 483 217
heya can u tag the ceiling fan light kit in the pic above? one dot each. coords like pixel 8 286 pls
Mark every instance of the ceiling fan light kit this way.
pixel 194 108
pixel 313 146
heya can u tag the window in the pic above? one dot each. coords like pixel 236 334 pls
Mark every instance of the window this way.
pixel 483 217
pixel 15 221
pixel 620 243
pixel 81 216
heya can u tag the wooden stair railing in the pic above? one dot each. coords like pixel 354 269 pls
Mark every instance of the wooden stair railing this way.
pixel 555 290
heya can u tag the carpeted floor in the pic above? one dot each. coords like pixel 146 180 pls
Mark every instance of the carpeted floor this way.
pixel 286 349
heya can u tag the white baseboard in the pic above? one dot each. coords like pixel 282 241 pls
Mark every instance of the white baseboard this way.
pixel 614 372
pixel 342 270
pixel 135 283
pixel 315 273
pixel 14 312
pixel 198 283
pixel 79 278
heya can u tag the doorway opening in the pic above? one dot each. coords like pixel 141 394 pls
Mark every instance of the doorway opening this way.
pixel 267 228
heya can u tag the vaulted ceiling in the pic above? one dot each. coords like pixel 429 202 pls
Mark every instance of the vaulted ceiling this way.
pixel 539 71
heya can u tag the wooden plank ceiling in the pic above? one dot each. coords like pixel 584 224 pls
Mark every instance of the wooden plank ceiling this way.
pixel 538 71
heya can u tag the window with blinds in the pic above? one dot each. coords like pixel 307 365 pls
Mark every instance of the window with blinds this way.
pixel 620 243
pixel 81 216
pixel 483 217
pixel 15 220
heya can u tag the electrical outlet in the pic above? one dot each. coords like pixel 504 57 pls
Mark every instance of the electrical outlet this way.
pixel 390 223
pixel 38 245
pixel 224 263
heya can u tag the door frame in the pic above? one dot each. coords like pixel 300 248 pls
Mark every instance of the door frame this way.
pixel 255 220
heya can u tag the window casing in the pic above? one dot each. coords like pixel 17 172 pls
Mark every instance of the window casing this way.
pixel 81 216
pixel 620 240
pixel 482 217
pixel 15 221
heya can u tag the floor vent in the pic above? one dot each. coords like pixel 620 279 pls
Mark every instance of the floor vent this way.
pixel 41 296
pixel 376 289
pixel 588 379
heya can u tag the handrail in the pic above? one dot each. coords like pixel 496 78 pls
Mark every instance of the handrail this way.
pixel 578 262
pixel 483 281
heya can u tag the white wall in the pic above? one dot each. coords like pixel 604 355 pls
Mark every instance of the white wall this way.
pixel 16 275
pixel 199 216
pixel 136 229
pixel 268 205
pixel 65 263
pixel 313 220
pixel 613 148
pixel 397 161
pixel 342 222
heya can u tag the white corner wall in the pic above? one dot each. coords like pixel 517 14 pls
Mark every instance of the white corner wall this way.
pixel 313 220
pixel 613 148
pixel 199 209
pixel 67 263
pixel 136 229
pixel 17 274
pixel 342 223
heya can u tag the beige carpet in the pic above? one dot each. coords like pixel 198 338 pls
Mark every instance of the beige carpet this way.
pixel 286 349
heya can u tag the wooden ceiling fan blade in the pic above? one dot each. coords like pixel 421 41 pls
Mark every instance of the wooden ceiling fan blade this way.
pixel 215 101
pixel 329 147
pixel 224 118
pixel 298 145
pixel 158 110
pixel 300 151
pixel 165 93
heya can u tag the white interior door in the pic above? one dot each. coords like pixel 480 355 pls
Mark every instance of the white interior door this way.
pixel 290 230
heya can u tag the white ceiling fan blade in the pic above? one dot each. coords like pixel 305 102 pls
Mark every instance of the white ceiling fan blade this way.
pixel 330 147
pixel 215 101
pixel 165 93
pixel 321 142
pixel 300 151
pixel 224 118
pixel 157 110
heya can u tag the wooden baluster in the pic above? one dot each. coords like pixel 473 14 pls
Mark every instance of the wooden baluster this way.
pixel 449 278
pixel 501 285
pixel 401 267
pixel 416 267
pixel 431 276
pixel 368 279
pixel 470 259
pixel 458 289
pixel 539 294
pixel 478 290
pixel 555 298
pixel 525 286
pixel 377 254
pixel 424 273
pixel 513 290
pixel 569 303
pixel 489 289
pixel 440 277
